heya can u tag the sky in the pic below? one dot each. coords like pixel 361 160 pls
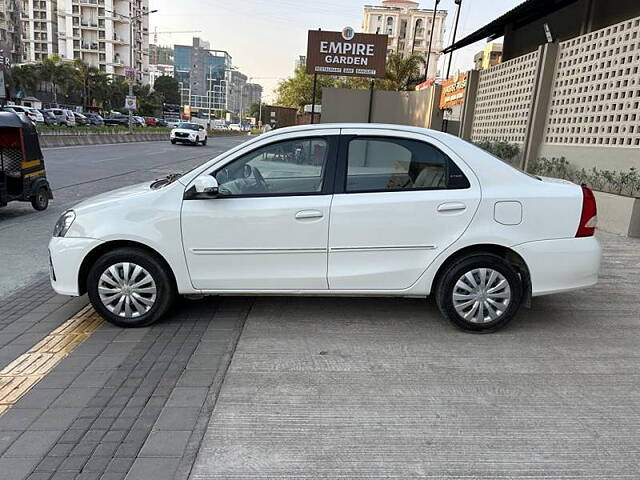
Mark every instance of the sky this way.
pixel 265 37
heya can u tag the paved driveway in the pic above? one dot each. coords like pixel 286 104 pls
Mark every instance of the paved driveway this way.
pixel 384 388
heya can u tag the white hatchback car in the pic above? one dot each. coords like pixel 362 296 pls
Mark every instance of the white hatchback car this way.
pixel 349 209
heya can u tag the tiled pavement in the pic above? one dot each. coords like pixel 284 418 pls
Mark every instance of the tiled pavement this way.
pixel 310 388
pixel 125 403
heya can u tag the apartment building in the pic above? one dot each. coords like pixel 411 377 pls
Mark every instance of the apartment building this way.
pixel 111 35
pixel 39 29
pixel 489 56
pixel 10 26
pixel 409 29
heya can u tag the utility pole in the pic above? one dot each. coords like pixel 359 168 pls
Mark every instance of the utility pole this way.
pixel 433 26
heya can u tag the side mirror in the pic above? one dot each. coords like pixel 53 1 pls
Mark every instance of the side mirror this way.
pixel 203 187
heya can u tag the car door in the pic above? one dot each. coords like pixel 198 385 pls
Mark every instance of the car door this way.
pixel 400 199
pixel 267 230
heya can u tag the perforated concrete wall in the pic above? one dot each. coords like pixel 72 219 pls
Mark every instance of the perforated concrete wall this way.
pixel 504 100
pixel 595 99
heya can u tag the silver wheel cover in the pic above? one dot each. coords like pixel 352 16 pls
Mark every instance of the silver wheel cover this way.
pixel 481 295
pixel 127 290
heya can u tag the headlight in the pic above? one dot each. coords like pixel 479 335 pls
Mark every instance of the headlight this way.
pixel 64 223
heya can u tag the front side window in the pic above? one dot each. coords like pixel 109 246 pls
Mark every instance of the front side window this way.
pixel 386 164
pixel 291 167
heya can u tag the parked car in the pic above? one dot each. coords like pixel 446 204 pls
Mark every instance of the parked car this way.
pixel 173 122
pixel 31 113
pixel 81 120
pixel 95 119
pixel 348 209
pixel 235 127
pixel 139 121
pixel 151 121
pixel 117 119
pixel 160 122
pixel 49 117
pixel 192 133
pixel 63 116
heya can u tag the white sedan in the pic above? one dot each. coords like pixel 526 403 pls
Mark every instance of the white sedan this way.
pixel 361 210
pixel 192 133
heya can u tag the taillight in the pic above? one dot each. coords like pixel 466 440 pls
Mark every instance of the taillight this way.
pixel 589 217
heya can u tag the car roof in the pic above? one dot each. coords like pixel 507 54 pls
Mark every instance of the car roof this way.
pixel 360 126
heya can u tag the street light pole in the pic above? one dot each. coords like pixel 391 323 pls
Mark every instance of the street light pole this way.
pixel 433 26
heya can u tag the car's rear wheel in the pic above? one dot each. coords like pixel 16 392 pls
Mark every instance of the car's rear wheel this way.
pixel 130 287
pixel 479 293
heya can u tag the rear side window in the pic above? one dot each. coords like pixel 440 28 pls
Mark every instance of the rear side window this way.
pixel 392 164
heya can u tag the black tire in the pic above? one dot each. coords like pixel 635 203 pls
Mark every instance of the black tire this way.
pixel 197 141
pixel 173 142
pixel 165 288
pixel 40 201
pixel 447 287
pixel 204 142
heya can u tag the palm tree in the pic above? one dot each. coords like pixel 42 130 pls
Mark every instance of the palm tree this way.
pixel 403 72
pixel 50 74
pixel 24 78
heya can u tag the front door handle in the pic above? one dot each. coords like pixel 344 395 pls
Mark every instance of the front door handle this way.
pixel 306 214
pixel 452 207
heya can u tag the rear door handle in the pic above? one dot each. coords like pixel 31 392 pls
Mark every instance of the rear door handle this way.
pixel 452 207
pixel 306 214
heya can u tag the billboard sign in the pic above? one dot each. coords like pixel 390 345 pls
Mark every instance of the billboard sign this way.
pixel 453 91
pixel 346 53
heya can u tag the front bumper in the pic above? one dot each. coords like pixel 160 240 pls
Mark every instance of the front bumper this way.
pixel 561 265
pixel 66 256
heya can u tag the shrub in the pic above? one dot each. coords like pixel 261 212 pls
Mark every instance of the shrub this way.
pixel 611 181
pixel 504 150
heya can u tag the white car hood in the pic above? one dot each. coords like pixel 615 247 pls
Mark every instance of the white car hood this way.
pixel 184 130
pixel 113 196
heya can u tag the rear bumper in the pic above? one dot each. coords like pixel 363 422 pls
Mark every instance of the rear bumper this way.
pixel 561 265
pixel 66 256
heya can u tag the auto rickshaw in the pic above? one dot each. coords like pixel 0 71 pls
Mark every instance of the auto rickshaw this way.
pixel 22 173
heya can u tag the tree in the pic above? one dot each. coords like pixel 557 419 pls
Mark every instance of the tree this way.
pixel 403 73
pixel 297 91
pixel 168 88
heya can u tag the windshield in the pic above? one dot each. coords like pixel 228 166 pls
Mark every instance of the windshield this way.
pixel 188 126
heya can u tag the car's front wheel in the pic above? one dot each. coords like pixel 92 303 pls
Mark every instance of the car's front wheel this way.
pixel 204 142
pixel 173 141
pixel 130 287
pixel 480 293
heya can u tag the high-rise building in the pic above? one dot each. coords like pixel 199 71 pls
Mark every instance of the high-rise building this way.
pixel 39 28
pixel 159 55
pixel 489 56
pixel 98 32
pixel 203 75
pixel 237 83
pixel 10 36
pixel 409 29
pixel 301 61
pixel 252 94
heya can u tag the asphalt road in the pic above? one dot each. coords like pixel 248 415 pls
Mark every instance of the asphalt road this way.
pixel 77 173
